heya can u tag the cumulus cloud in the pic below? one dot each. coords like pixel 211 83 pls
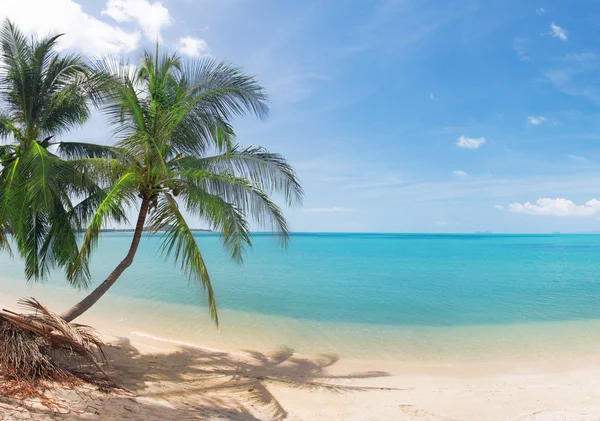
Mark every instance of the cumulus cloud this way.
pixel 151 17
pixel 460 174
pixel 330 209
pixel 83 32
pixel 536 120
pixel 556 207
pixel 192 47
pixel 558 32
pixel 470 142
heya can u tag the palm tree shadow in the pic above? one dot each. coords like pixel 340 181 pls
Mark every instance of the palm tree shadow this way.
pixel 199 379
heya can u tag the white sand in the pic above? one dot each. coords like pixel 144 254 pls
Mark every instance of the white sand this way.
pixel 180 381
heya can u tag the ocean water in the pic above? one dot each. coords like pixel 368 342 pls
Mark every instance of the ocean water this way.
pixel 399 296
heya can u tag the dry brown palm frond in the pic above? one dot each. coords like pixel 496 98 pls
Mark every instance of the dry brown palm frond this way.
pixel 40 346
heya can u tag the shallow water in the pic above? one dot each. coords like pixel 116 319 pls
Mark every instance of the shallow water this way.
pixel 432 297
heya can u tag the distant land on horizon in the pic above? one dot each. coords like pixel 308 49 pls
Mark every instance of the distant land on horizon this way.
pixel 148 229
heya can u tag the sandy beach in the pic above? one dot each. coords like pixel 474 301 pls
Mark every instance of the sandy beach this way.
pixel 380 210
pixel 163 380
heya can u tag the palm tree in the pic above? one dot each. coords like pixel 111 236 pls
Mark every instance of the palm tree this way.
pixel 176 149
pixel 43 94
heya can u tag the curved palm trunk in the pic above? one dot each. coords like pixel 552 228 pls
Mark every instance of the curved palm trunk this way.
pixel 85 304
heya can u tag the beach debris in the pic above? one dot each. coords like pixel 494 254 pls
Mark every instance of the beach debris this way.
pixel 39 348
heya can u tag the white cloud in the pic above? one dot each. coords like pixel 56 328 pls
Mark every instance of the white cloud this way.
pixel 460 174
pixel 519 45
pixel 572 80
pixel 540 11
pixel 331 209
pixel 558 32
pixel 82 31
pixel 536 120
pixel 578 158
pixel 470 142
pixel 151 17
pixel 192 47
pixel 556 207
pixel 441 223
pixel 499 207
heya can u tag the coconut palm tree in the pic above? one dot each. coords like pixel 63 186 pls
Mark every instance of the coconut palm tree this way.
pixel 43 94
pixel 176 151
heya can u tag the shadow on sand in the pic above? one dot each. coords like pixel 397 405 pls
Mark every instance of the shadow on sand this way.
pixel 194 384
pixel 222 385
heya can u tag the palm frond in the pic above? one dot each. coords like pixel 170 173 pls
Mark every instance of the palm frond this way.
pixel 30 345
pixel 102 171
pixel 30 235
pixel 7 127
pixel 222 216
pixel 178 241
pixel 45 176
pixel 251 200
pixel 268 171
pixel 121 195
pixel 77 150
pixel 4 242
pixel 221 89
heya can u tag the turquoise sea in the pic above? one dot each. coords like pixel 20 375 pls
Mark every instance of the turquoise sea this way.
pixel 405 296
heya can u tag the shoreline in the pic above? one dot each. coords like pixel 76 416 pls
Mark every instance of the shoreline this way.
pixel 166 380
pixel 187 379
pixel 411 345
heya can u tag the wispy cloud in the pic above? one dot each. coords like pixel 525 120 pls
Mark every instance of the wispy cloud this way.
pixel 493 188
pixel 441 223
pixel 574 80
pixel 431 96
pixel 579 57
pixel 558 32
pixel 411 21
pixel 536 120
pixel 460 174
pixel 556 207
pixel 470 142
pixel 332 209
pixel 519 45
pixel 295 87
pixel 578 158
pixel 499 207
pixel 540 11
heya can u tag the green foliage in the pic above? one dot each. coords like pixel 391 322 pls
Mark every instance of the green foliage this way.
pixel 176 149
pixel 43 94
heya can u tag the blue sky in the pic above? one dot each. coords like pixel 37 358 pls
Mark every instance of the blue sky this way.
pixel 399 115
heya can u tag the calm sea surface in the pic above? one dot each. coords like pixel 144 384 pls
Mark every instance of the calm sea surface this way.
pixel 388 295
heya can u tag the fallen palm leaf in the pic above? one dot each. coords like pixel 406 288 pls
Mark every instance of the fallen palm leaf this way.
pixel 40 347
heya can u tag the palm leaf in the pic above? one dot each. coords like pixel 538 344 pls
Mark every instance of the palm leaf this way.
pixel 269 171
pixel 222 216
pixel 225 89
pixel 122 194
pixel 178 241
pixel 251 200
pixel 78 150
